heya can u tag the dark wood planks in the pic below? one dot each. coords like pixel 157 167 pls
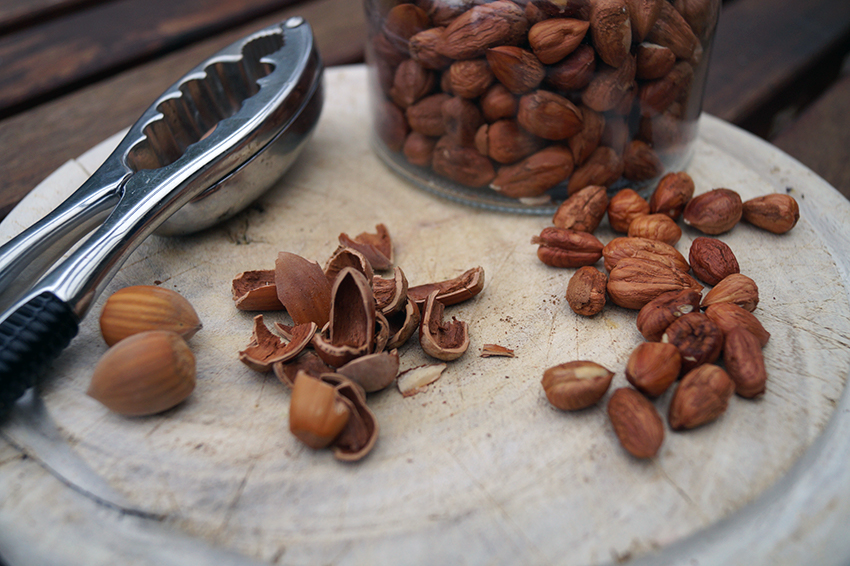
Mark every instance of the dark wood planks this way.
pixel 16 14
pixel 820 137
pixel 84 45
pixel 771 54
pixel 34 143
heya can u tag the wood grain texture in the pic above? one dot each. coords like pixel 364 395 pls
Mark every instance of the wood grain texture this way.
pixel 63 53
pixel 36 142
pixel 820 137
pixel 19 13
pixel 766 51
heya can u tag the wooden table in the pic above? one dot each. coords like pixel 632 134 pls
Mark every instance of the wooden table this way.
pixel 73 72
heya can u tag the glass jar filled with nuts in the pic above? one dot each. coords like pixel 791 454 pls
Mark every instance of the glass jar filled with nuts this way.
pixel 515 104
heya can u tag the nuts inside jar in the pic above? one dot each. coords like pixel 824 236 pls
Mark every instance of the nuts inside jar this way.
pixel 616 81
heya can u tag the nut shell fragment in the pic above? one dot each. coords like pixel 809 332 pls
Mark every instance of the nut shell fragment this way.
pixel 372 372
pixel 351 330
pixel 442 340
pixel 256 291
pixel 361 431
pixel 415 380
pixel 265 348
pixel 303 289
pixel 377 247
pixel 450 291
pixel 390 294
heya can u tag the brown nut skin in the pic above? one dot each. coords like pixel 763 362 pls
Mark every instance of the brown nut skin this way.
pixel 576 385
pixel 736 288
pixel 462 164
pixel 603 167
pixel 744 362
pixel 559 247
pixel 586 291
pixel 481 27
pixel 636 422
pixel 555 38
pixel 575 71
pixel 535 174
pixel 419 149
pixel 498 103
pixel 549 115
pixel 728 316
pixel 701 397
pixel 655 227
pixel 640 162
pixel 698 339
pixel 653 61
pixel 776 213
pixel 653 367
pixel 672 194
pixel 635 282
pixel 611 30
pixel 584 143
pixel 712 260
pixel 583 210
pixel 519 70
pixel 714 212
pixel 470 78
pixel 624 207
pixel 657 315
pixel 644 248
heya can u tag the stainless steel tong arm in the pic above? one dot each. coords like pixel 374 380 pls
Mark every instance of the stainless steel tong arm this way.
pixel 43 322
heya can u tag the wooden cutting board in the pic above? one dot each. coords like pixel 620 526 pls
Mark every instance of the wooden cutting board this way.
pixel 479 468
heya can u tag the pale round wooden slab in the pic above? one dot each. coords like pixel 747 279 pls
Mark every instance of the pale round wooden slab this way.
pixel 479 468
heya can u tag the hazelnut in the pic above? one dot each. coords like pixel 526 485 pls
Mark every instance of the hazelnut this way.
pixel 712 260
pixel 735 288
pixel 317 414
pixel 624 207
pixel 139 308
pixel 701 397
pixel 776 213
pixel 714 212
pixel 673 192
pixel 653 367
pixel 698 339
pixel 576 385
pixel 586 291
pixel 655 227
pixel 636 422
pixel 144 374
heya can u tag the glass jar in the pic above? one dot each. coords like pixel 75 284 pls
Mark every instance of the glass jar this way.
pixel 515 104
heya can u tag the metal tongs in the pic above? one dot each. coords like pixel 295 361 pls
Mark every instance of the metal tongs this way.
pixel 205 149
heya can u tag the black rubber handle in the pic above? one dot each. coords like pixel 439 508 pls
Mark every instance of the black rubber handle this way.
pixel 30 338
